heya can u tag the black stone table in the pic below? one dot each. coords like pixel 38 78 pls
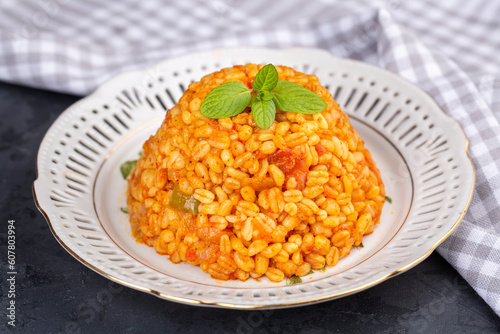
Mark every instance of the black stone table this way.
pixel 57 294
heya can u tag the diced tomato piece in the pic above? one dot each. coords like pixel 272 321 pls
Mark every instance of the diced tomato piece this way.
pixel 249 84
pixel 320 149
pixel 191 254
pixel 208 254
pixel 291 165
pixel 210 234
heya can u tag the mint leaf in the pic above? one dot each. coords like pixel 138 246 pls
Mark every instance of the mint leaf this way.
pixel 263 113
pixel 266 78
pixel 226 100
pixel 127 167
pixel 289 96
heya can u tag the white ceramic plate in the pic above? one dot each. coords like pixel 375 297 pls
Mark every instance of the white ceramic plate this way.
pixel 421 153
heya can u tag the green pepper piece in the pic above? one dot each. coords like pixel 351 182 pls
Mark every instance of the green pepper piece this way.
pixel 293 280
pixel 182 202
pixel 127 167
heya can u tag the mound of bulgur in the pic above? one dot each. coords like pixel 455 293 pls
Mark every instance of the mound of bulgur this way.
pixel 276 202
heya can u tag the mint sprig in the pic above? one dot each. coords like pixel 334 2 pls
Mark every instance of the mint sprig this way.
pixel 231 98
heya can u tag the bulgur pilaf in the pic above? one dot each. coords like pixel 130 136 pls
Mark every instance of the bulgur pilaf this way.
pixel 276 202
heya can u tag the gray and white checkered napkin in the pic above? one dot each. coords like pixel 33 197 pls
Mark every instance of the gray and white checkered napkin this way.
pixel 74 46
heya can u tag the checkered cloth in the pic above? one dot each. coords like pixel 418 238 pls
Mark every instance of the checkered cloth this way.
pixel 447 48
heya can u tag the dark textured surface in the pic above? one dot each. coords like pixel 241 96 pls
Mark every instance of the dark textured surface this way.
pixel 57 294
